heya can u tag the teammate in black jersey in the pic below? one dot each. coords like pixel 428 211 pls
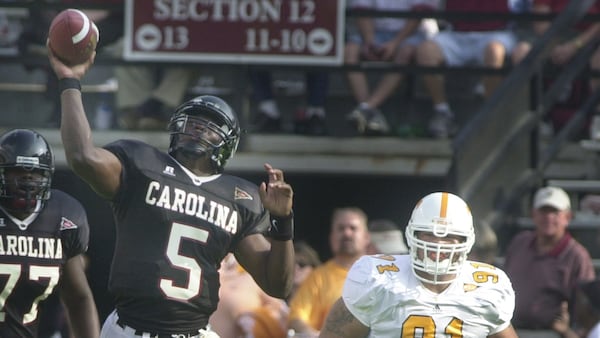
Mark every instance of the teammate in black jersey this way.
pixel 43 234
pixel 177 214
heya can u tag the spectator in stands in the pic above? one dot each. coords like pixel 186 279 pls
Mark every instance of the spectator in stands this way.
pixel 570 41
pixel 307 259
pixel 308 120
pixel 147 94
pixel 521 7
pixel 589 208
pixel 485 248
pixel 239 299
pixel 11 26
pixel 268 320
pixel 484 43
pixel 546 264
pixel 386 238
pixel 348 240
pixel 32 41
pixel 383 39
pixel 587 313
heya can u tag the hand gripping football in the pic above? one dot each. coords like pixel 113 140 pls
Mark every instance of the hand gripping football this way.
pixel 73 36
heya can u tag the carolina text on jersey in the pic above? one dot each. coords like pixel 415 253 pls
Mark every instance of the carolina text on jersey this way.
pixel 191 204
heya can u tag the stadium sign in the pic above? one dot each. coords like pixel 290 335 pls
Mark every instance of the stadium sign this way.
pixel 235 31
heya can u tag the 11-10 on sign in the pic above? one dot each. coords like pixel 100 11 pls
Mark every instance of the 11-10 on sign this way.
pixel 317 41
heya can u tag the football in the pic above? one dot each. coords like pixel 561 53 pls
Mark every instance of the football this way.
pixel 73 36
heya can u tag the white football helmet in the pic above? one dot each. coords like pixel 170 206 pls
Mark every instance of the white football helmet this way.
pixel 440 214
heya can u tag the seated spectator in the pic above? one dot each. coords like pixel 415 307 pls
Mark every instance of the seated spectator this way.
pixel 590 203
pixel 469 42
pixel 309 120
pixel 348 241
pixel 11 27
pixel 307 259
pixel 383 39
pixel 262 322
pixel 148 94
pixel 35 32
pixel 590 209
pixel 386 238
pixel 546 264
pixel 485 248
pixel 246 311
pixel 240 297
pixel 570 41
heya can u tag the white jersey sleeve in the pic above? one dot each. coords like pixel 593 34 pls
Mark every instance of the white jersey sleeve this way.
pixel 367 285
pixel 490 287
pixel 383 294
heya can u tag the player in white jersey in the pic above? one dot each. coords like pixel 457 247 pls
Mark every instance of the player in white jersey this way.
pixel 432 292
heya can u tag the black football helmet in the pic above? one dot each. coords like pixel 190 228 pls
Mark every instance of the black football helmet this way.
pixel 28 150
pixel 205 125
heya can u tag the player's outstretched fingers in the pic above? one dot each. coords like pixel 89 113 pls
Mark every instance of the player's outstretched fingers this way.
pixel 262 191
pixel 275 175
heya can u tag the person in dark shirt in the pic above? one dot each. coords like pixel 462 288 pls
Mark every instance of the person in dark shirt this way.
pixel 569 41
pixel 546 264
pixel 44 234
pixel 178 215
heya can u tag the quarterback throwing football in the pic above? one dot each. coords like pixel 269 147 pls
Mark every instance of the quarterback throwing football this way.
pixel 177 214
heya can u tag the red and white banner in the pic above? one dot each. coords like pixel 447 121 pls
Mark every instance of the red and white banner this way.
pixel 235 31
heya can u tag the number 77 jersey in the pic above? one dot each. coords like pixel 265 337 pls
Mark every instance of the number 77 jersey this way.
pixel 382 293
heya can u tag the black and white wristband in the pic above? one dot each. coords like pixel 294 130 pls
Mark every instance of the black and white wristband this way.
pixel 282 228
pixel 68 83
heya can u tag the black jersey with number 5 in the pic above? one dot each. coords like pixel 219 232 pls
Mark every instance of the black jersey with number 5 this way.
pixel 33 253
pixel 173 230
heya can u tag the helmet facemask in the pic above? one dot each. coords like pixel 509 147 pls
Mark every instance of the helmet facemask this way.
pixel 437 259
pixel 26 169
pixel 447 225
pixel 200 128
pixel 22 191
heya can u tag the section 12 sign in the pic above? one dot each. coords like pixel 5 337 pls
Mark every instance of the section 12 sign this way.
pixel 235 31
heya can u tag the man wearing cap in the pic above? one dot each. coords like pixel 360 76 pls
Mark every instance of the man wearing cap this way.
pixel 546 264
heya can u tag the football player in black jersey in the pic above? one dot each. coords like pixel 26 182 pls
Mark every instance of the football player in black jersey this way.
pixel 43 235
pixel 177 214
